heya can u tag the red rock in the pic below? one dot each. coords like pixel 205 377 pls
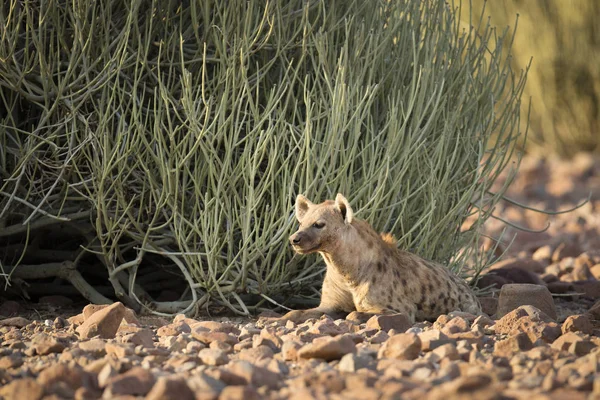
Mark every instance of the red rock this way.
pixel 574 343
pixel 577 323
pixel 103 323
pixel 255 354
pixel 273 336
pixel 128 315
pixel 404 346
pixel 254 375
pixel 208 337
pixel 45 344
pixel 398 322
pixel 239 393
pixel 216 326
pixel 73 377
pixel 170 388
pixel 328 349
pixel 456 325
pixel 25 388
pixel 13 360
pixel 447 351
pixel 201 382
pixel 352 363
pixel 137 381
pixel 141 337
pixel 118 350
pixel 512 345
pixel 289 350
pixel 432 339
pixel 213 357
pixel 325 327
pixel 516 295
pixel 174 329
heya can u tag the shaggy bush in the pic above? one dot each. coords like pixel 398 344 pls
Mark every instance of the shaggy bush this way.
pixel 153 148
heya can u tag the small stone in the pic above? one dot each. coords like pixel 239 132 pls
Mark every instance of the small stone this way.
pixel 577 323
pixel 208 337
pixel 353 362
pixel 509 321
pixel 25 388
pixel 447 351
pixel 328 349
pixel 137 382
pixel 203 383
pixel 432 339
pixel 174 329
pixel 215 326
pixel 255 354
pixel 103 323
pixel 404 346
pixel 44 344
pixel 325 327
pixel 118 350
pixel 105 374
pixel 141 337
pixel 379 337
pixel 456 325
pixel 289 350
pixel 398 322
pixel 14 360
pixel 167 388
pixel 514 295
pixel 574 343
pixel 213 357
pixel 543 254
pixel 254 375
pixel 73 377
pixel 239 393
pixel 512 344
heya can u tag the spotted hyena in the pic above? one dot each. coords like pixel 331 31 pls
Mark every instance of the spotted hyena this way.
pixel 366 271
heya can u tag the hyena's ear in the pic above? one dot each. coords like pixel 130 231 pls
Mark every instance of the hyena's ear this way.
pixel 302 206
pixel 342 204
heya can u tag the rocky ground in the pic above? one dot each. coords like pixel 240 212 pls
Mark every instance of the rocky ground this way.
pixel 547 349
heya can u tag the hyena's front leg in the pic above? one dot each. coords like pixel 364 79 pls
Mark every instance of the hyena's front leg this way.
pixel 336 301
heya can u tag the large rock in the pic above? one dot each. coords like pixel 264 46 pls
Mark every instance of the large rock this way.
pixel 404 346
pixel 398 322
pixel 26 388
pixel 514 295
pixel 328 349
pixel 103 323
pixel 167 388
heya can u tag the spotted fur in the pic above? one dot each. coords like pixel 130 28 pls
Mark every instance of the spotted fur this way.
pixel 366 271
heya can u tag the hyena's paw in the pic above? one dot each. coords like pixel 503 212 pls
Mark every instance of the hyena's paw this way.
pixel 300 316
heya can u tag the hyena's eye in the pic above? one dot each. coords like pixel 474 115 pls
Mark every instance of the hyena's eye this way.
pixel 318 225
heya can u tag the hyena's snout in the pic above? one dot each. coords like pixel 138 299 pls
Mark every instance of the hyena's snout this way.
pixel 297 239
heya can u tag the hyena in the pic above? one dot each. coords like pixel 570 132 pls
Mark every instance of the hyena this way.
pixel 366 271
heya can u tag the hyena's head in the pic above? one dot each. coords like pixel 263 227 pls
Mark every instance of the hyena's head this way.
pixel 321 225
